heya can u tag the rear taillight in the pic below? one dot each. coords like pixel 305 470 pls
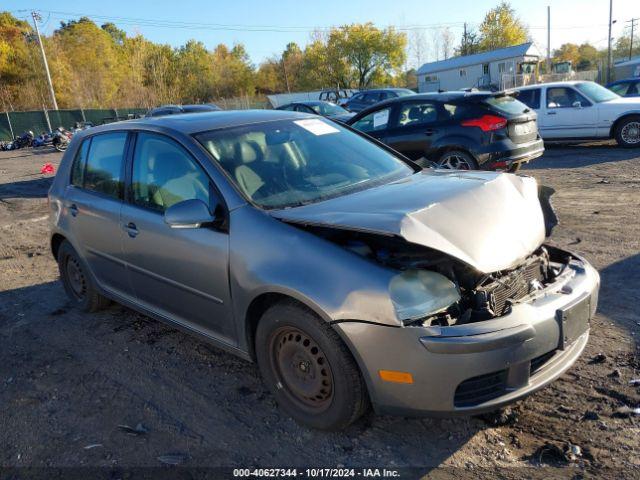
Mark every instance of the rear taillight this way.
pixel 487 123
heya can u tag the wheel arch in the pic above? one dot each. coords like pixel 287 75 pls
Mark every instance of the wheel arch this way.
pixel 56 241
pixel 261 303
pixel 620 119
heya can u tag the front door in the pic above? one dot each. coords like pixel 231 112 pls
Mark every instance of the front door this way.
pixel 375 123
pixel 93 203
pixel 567 114
pixel 413 128
pixel 181 274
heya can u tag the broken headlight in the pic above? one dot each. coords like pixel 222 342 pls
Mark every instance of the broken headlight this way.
pixel 417 293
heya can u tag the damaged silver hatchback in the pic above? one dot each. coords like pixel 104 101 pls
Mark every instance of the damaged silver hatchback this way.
pixel 350 275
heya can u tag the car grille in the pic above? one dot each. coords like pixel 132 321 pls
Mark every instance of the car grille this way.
pixel 483 388
pixel 512 286
pixel 539 362
pixel 523 132
pixel 480 389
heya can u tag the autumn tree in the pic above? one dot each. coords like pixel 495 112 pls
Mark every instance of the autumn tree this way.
pixel 358 54
pixel 502 28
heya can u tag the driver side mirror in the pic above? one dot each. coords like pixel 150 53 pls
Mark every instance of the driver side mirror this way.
pixel 577 104
pixel 192 213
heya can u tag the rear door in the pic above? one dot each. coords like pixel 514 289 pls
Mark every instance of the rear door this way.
pixel 567 114
pixel 93 203
pixel 413 127
pixel 181 274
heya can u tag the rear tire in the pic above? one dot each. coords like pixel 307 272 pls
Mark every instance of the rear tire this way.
pixel 77 281
pixel 457 160
pixel 308 368
pixel 627 132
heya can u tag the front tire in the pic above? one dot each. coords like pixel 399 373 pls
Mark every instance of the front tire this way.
pixel 457 160
pixel 627 133
pixel 308 368
pixel 77 281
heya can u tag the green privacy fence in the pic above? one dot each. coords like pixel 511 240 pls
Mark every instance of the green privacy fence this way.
pixel 38 121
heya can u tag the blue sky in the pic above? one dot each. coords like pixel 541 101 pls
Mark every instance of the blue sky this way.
pixel 276 22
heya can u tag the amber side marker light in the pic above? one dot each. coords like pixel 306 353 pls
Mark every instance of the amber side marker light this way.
pixel 396 377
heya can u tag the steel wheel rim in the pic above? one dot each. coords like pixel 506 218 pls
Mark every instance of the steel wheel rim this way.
pixel 454 162
pixel 631 133
pixel 75 278
pixel 302 370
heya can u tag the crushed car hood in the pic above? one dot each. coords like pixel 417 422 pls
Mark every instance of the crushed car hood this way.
pixel 491 221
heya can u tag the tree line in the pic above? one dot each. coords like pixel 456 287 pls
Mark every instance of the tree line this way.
pixel 100 66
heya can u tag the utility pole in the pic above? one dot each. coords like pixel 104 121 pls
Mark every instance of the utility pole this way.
pixel 36 19
pixel 464 40
pixel 548 40
pixel 633 23
pixel 609 41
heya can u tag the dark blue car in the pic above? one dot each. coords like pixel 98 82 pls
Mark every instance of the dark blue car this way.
pixel 629 87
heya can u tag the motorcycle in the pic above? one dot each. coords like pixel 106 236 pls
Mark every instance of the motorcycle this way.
pixel 43 140
pixel 61 139
pixel 24 140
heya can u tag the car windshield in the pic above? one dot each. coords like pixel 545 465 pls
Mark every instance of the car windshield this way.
pixel 596 92
pixel 289 163
pixel 328 108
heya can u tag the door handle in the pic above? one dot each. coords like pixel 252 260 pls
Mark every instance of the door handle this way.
pixel 551 113
pixel 73 209
pixel 430 131
pixel 131 229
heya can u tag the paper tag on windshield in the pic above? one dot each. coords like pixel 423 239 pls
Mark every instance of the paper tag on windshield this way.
pixel 381 118
pixel 316 126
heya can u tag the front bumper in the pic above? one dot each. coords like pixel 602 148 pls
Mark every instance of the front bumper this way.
pixel 482 366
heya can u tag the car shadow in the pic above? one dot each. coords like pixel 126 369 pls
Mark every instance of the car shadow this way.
pixel 117 367
pixel 581 155
pixel 35 188
pixel 620 292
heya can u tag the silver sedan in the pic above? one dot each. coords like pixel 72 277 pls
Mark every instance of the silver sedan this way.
pixel 353 277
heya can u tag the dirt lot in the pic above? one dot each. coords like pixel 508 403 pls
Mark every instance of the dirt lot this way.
pixel 68 380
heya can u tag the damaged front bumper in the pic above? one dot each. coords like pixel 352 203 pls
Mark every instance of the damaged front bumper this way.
pixel 480 366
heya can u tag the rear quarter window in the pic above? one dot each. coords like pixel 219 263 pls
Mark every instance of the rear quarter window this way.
pixel 530 98
pixel 80 160
pixel 506 104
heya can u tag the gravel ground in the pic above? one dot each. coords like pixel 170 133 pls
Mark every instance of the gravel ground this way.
pixel 69 380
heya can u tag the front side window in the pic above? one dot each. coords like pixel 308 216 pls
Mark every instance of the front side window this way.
pixel 417 113
pixel 165 174
pixel 564 97
pixel 289 163
pixel 103 172
pixel 377 120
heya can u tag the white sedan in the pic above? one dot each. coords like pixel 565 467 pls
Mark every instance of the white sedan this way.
pixel 583 110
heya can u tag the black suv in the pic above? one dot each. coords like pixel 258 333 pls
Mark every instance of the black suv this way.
pixel 456 130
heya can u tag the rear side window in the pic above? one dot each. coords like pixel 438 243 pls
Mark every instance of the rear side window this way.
pixel 417 113
pixel 103 172
pixel 530 98
pixel 77 170
pixel 506 104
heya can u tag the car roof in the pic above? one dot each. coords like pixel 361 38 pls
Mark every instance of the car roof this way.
pixel 552 84
pixel 190 123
